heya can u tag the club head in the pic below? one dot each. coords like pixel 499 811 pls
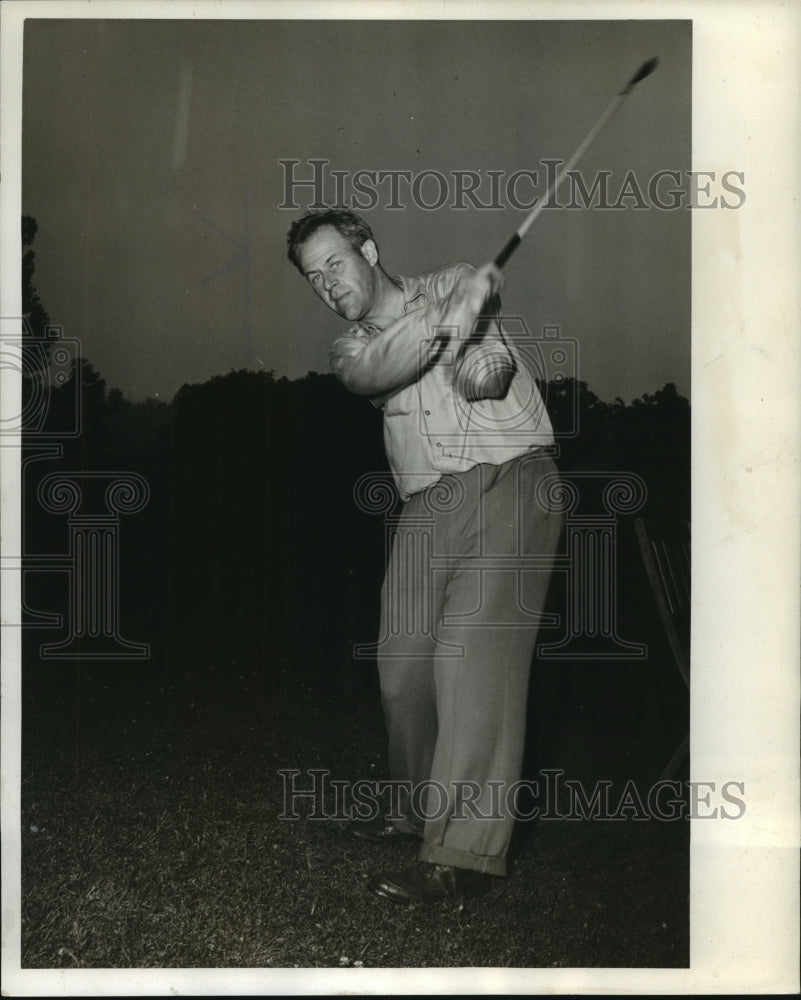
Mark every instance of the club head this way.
pixel 646 69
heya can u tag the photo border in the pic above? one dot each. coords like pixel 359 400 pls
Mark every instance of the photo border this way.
pixel 746 500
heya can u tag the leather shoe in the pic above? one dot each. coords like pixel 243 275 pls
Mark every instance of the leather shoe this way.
pixel 377 831
pixel 426 882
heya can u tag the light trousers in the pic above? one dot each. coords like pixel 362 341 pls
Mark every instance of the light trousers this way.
pixel 465 587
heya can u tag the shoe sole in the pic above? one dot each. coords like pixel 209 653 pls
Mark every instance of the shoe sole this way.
pixel 379 888
pixel 407 900
pixel 457 896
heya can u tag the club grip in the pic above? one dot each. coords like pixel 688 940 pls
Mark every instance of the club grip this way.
pixel 512 244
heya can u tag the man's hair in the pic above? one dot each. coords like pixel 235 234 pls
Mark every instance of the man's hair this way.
pixel 349 224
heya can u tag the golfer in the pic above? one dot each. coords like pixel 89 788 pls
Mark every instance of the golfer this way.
pixel 467 439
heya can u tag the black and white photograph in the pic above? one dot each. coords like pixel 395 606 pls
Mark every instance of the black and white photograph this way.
pixel 388 605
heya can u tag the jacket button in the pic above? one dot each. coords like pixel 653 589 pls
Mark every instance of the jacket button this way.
pixel 427 413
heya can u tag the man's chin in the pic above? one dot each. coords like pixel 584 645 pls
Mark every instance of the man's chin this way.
pixel 348 310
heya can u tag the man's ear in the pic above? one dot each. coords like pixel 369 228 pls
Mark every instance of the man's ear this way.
pixel 369 251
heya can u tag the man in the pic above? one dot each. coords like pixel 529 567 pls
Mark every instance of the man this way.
pixel 467 441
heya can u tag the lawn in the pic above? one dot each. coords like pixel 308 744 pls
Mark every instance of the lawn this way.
pixel 152 836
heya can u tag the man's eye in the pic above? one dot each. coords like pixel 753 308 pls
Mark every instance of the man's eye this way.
pixel 335 265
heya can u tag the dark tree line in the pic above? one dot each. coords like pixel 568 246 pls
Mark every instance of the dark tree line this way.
pixel 252 517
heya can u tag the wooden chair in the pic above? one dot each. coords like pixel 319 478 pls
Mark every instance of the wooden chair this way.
pixel 665 550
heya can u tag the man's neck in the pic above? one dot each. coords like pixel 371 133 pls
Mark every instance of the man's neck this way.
pixel 389 302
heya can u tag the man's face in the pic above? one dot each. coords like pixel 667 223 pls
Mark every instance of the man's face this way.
pixel 344 278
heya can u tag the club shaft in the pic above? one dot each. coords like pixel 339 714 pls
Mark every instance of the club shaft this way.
pixel 517 237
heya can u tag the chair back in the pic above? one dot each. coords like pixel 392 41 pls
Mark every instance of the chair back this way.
pixel 665 550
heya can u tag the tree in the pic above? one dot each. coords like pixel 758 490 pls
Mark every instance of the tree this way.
pixel 32 308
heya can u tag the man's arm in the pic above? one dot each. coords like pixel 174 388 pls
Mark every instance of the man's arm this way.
pixel 398 356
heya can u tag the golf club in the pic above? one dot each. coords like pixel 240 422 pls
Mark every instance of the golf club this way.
pixel 517 238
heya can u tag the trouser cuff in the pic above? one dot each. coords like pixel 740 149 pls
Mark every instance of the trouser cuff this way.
pixel 440 855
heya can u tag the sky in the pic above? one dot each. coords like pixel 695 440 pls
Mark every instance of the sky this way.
pixel 152 162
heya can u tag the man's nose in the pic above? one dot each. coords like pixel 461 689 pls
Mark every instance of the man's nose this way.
pixel 329 282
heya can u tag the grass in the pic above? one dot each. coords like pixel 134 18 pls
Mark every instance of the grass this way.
pixel 151 836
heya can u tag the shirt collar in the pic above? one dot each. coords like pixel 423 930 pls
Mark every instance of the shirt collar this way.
pixel 414 292
pixel 415 296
